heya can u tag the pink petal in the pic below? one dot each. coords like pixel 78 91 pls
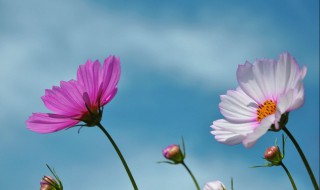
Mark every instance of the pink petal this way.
pixel 74 94
pixel 49 123
pixel 64 100
pixel 110 97
pixel 110 78
pixel 88 77
pixel 100 82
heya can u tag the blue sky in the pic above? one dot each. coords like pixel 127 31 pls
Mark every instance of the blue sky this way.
pixel 177 57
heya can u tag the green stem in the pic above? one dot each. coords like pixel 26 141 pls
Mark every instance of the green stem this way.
pixel 135 187
pixel 289 175
pixel 313 179
pixel 232 183
pixel 194 179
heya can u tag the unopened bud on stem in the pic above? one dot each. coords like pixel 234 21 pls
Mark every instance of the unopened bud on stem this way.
pixel 273 155
pixel 173 153
pixel 47 183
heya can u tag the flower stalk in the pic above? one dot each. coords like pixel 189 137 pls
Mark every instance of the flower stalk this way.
pixel 275 157
pixel 232 188
pixel 289 175
pixel 177 156
pixel 192 176
pixel 135 187
pixel 303 157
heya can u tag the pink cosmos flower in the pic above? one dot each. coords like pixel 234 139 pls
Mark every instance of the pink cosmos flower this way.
pixel 268 90
pixel 78 100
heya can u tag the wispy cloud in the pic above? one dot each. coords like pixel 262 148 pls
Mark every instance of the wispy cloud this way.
pixel 51 38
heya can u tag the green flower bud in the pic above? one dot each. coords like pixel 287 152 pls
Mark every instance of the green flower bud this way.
pixel 173 153
pixel 273 155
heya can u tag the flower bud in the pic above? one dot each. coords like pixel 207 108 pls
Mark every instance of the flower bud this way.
pixel 173 153
pixel 214 185
pixel 48 183
pixel 273 155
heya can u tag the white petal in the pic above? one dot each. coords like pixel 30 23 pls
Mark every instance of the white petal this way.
pixel 258 80
pixel 264 71
pixel 265 124
pixel 227 137
pixel 293 99
pixel 303 72
pixel 236 106
pixel 239 128
pixel 214 185
pixel 288 74
pixel 298 100
pixel 231 133
pixel 247 83
pixel 267 79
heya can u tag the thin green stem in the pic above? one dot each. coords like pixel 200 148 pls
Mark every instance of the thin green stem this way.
pixel 289 175
pixel 135 187
pixel 194 179
pixel 313 179
pixel 232 183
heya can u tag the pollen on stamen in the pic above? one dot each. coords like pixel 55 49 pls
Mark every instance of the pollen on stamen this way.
pixel 265 109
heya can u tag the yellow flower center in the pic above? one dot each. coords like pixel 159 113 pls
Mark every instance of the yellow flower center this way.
pixel 267 108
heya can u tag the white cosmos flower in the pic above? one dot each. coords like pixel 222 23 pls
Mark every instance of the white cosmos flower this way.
pixel 214 185
pixel 267 89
